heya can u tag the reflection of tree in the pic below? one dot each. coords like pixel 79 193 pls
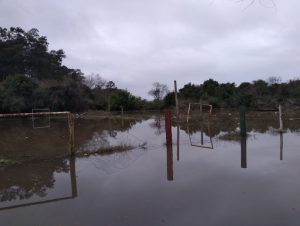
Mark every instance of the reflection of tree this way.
pixel 230 125
pixel 158 124
pixel 24 181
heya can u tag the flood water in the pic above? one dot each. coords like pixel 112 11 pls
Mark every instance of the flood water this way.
pixel 209 176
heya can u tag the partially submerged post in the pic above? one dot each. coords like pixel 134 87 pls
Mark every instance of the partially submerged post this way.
pixel 168 127
pixel 169 144
pixel 243 121
pixel 71 134
pixel 176 100
pixel 280 118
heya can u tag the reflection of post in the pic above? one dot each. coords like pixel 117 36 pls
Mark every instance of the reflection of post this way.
pixel 202 139
pixel 243 152
pixel 243 121
pixel 178 137
pixel 73 177
pixel 169 162
pixel 281 146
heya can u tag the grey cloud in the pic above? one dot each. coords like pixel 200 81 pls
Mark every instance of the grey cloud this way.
pixel 136 43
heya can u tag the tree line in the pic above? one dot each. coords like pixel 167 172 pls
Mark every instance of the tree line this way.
pixel 259 94
pixel 32 76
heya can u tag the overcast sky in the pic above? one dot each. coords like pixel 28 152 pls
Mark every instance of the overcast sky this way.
pixel 138 42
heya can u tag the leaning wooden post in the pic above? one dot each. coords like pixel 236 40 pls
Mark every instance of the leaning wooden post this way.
pixel 176 99
pixel 71 134
pixel 168 127
pixel 280 118
pixel 243 121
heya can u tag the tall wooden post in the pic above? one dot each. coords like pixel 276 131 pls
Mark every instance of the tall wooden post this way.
pixel 243 121
pixel 168 127
pixel 176 100
pixel 71 134
pixel 280 118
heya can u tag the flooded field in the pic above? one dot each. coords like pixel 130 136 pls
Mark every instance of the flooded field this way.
pixel 124 174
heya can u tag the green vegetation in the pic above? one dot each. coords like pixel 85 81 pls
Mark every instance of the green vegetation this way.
pixel 32 76
pixel 259 95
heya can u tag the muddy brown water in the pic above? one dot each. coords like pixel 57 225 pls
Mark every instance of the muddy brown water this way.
pixel 208 177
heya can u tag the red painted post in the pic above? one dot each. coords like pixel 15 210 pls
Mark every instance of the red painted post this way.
pixel 168 127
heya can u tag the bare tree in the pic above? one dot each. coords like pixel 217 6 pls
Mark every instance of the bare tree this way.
pixel 273 80
pixel 94 81
pixel 158 91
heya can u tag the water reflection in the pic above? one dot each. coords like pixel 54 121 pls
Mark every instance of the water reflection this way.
pixel 26 185
pixel 204 130
pixel 243 152
pixel 281 145
pixel 169 162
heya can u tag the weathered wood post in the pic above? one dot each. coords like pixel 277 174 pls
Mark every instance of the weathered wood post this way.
pixel 243 121
pixel 176 100
pixel 71 134
pixel 280 118
pixel 168 127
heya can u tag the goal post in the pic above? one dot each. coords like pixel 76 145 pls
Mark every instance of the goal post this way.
pixel 200 109
pixel 70 116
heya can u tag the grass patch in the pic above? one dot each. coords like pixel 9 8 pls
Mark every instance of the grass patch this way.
pixel 107 150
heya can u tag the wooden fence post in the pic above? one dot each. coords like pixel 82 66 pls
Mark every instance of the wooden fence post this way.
pixel 71 134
